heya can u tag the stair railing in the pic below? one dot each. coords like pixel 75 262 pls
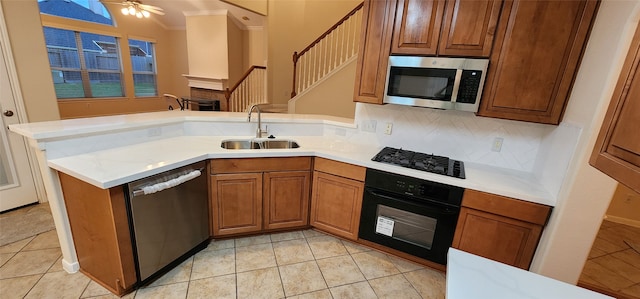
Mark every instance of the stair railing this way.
pixel 327 52
pixel 250 89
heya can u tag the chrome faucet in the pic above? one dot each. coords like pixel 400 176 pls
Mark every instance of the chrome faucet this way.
pixel 259 131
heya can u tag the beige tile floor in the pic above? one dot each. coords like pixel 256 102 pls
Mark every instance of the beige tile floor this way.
pixel 301 264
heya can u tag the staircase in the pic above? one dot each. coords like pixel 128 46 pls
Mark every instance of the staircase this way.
pixel 322 61
pixel 332 52
pixel 251 89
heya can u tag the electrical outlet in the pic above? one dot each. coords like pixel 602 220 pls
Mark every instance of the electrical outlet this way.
pixel 368 125
pixel 387 130
pixel 496 146
pixel 152 132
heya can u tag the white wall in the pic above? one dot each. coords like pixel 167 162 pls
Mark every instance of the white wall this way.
pixel 207 46
pixel 332 96
pixel 586 193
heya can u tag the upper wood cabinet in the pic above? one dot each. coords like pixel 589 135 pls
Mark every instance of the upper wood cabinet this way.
pixel 449 28
pixel 500 228
pixel 617 150
pixel 535 58
pixel 417 27
pixel 373 58
pixel 469 27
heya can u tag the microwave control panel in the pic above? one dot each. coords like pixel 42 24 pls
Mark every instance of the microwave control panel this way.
pixel 469 86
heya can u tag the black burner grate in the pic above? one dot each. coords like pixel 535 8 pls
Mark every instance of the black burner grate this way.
pixel 425 162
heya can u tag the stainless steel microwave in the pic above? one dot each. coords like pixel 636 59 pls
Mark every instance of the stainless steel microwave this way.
pixel 435 82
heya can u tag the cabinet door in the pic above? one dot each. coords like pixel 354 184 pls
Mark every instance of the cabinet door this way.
pixel 101 235
pixel 536 54
pixel 417 27
pixel 495 237
pixel 617 150
pixel 286 199
pixel 236 200
pixel 373 58
pixel 469 27
pixel 336 204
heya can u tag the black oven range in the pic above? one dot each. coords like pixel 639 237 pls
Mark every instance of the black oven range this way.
pixel 408 214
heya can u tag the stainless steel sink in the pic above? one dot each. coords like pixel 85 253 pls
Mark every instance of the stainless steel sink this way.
pixel 239 144
pixel 258 144
pixel 267 144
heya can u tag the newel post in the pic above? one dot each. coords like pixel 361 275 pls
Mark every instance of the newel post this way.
pixel 295 62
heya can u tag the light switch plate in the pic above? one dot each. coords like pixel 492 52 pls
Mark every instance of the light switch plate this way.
pixel 368 125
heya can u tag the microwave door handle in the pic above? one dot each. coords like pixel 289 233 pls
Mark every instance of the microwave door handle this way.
pixel 456 85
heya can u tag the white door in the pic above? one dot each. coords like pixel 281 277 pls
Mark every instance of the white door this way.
pixel 17 187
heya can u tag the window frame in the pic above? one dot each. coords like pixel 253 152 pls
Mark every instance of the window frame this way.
pixel 84 70
pixel 155 65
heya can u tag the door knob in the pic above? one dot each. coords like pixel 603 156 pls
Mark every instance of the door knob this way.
pixel 8 113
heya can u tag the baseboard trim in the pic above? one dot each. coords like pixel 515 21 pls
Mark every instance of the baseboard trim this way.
pixel 70 267
pixel 625 221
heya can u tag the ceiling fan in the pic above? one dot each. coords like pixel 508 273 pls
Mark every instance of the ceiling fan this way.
pixel 138 9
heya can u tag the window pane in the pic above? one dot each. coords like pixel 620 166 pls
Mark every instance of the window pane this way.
pixel 84 10
pixel 143 66
pixel 105 84
pixel 100 52
pixel 61 47
pixel 145 85
pixel 68 84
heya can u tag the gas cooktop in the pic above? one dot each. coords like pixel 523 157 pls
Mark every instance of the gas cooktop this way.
pixel 425 162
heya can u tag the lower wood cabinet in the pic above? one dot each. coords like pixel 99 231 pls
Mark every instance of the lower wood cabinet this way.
pixel 286 199
pixel 500 228
pixel 336 200
pixel 259 194
pixel 237 203
pixel 101 236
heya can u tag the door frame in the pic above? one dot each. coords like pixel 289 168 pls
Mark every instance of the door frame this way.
pixel 21 112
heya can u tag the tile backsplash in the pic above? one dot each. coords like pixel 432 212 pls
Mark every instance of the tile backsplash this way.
pixel 459 135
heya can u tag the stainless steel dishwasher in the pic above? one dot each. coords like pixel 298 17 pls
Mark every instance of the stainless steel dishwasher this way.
pixel 169 219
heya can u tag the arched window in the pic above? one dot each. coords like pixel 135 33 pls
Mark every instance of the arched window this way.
pixel 82 10
pixel 88 64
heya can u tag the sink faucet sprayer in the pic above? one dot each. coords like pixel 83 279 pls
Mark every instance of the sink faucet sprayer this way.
pixel 259 131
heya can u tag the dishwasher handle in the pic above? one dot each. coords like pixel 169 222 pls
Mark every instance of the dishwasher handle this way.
pixel 168 184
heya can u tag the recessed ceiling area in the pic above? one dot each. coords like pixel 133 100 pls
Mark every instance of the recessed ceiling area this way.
pixel 175 11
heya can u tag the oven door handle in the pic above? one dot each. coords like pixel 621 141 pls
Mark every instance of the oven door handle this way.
pixel 441 208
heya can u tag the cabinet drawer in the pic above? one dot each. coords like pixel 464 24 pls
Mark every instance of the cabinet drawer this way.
pixel 505 206
pixel 260 164
pixel 340 168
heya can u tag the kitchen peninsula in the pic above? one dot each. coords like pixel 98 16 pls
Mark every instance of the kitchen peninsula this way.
pixel 107 152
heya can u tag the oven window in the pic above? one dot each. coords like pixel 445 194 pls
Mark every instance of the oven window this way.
pixel 405 226
pixel 424 83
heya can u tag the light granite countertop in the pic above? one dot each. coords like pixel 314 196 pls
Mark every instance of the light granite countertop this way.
pixel 472 276
pixel 113 166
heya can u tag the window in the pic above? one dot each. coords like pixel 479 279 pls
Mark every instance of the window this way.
pixel 143 66
pixel 81 68
pixel 83 10
pixel 87 64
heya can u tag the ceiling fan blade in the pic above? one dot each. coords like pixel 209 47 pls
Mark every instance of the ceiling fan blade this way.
pixel 150 7
pixel 153 9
